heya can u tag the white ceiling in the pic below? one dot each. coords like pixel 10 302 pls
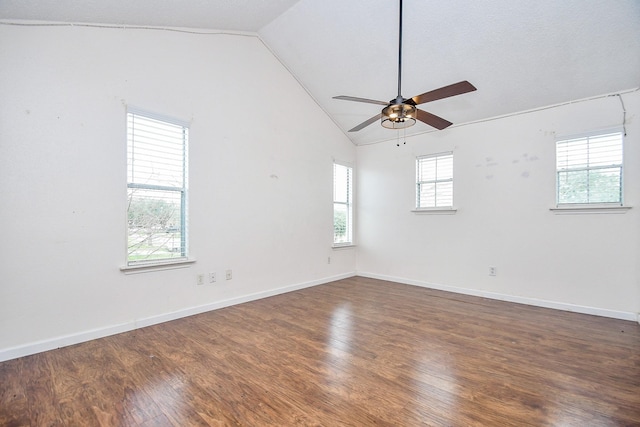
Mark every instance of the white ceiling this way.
pixel 237 15
pixel 520 54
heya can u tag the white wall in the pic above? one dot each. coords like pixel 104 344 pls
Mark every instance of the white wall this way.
pixel 260 178
pixel 503 189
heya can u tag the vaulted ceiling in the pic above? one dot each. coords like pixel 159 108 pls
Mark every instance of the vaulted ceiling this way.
pixel 520 54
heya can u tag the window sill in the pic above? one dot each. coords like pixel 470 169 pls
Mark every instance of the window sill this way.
pixel 435 211
pixel 343 246
pixel 157 266
pixel 586 209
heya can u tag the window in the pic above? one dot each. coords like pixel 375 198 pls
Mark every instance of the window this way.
pixel 342 205
pixel 156 188
pixel 434 181
pixel 589 169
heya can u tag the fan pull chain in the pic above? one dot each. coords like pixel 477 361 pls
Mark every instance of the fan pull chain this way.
pixel 404 136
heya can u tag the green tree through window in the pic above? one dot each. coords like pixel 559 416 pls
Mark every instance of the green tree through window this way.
pixel 589 169
pixel 157 190
pixel 342 204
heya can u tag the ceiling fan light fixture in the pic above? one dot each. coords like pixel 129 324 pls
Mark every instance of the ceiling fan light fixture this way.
pixel 399 116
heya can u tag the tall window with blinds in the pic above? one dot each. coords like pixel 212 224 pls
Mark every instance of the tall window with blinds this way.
pixel 434 181
pixel 156 188
pixel 589 170
pixel 342 205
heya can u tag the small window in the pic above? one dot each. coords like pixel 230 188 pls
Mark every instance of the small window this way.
pixel 342 205
pixel 434 181
pixel 589 169
pixel 156 188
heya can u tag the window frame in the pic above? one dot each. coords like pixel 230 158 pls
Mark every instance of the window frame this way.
pixel 349 226
pixel 587 205
pixel 181 259
pixel 435 181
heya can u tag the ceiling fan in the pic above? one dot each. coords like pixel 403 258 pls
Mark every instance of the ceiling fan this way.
pixel 401 112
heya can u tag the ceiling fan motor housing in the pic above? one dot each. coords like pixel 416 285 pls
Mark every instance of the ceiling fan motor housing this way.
pixel 399 115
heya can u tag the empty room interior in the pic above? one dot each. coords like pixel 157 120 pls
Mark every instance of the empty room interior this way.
pixel 322 213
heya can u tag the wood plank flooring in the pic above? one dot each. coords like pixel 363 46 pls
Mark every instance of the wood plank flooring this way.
pixel 357 352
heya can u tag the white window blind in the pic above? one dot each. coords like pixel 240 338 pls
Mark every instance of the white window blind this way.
pixel 434 181
pixel 342 204
pixel 589 169
pixel 157 188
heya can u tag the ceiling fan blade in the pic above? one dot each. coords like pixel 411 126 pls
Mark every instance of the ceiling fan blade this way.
pixel 433 120
pixel 366 123
pixel 444 92
pixel 353 98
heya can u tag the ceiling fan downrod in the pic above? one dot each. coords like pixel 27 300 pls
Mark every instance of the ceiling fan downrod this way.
pixel 400 55
pixel 400 113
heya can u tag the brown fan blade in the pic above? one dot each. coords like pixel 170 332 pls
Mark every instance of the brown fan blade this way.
pixel 353 98
pixel 366 123
pixel 433 120
pixel 444 92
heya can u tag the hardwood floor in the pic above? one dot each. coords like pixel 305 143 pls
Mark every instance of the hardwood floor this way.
pixel 357 352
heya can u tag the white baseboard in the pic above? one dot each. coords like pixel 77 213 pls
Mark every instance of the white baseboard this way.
pixel 141 323
pixel 77 338
pixel 62 341
pixel 623 315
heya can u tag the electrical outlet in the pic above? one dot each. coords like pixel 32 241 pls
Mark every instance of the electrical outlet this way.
pixel 212 277
pixel 328 260
pixel 492 271
pixel 200 279
pixel 228 274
